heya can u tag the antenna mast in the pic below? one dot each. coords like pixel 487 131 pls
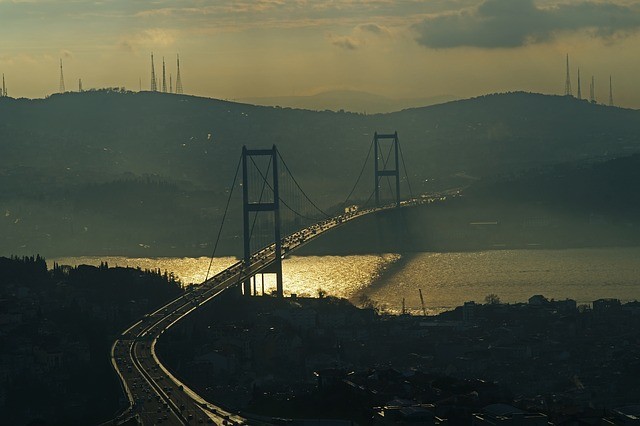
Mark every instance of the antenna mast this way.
pixel 610 92
pixel 579 91
pixel 178 79
pixel 80 85
pixel 567 84
pixel 164 77
pixel 61 88
pixel 170 83
pixel 592 91
pixel 154 83
pixel 3 94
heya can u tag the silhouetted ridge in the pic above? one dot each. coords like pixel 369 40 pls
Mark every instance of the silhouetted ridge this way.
pixel 52 149
pixel 579 189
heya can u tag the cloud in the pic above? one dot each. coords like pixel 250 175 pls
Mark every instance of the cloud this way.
pixel 157 36
pixel 217 9
pixel 233 15
pixel 256 5
pixel 345 42
pixel 514 23
pixel 374 29
pixel 126 46
pixel 21 59
pixel 360 36
pixel 146 40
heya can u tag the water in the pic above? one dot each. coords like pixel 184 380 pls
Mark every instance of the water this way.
pixel 446 279
pixel 342 276
pixel 449 279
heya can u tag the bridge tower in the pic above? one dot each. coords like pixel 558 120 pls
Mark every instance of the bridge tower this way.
pixel 260 206
pixel 385 171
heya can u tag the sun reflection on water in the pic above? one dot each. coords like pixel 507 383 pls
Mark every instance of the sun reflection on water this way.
pixel 447 280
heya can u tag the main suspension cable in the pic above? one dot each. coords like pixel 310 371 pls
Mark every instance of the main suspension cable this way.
pixel 346 200
pixel 264 182
pixel 298 185
pixel 406 174
pixel 384 167
pixel 224 216
pixel 369 199
pixel 281 200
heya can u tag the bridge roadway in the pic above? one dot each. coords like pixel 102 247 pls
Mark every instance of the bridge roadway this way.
pixel 155 396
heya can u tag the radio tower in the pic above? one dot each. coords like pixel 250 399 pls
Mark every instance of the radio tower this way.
pixel 592 91
pixel 170 83
pixel 164 77
pixel 80 85
pixel 178 79
pixel 3 94
pixel 610 92
pixel 567 84
pixel 579 91
pixel 154 83
pixel 61 89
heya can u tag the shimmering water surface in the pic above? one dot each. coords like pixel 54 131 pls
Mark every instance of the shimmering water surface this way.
pixel 342 276
pixel 446 279
pixel 449 279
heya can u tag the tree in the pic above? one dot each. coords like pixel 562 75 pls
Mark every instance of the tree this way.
pixel 492 299
pixel 368 303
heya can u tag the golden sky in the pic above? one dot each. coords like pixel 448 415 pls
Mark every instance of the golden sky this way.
pixel 402 48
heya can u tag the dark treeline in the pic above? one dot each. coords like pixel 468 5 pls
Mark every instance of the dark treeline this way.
pixel 56 328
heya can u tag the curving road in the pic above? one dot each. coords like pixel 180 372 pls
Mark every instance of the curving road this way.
pixel 157 397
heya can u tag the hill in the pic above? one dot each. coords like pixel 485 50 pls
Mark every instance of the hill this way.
pixel 577 204
pixel 348 100
pixel 148 173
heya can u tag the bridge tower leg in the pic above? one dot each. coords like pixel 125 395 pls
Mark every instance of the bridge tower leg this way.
pixel 248 206
pixel 385 171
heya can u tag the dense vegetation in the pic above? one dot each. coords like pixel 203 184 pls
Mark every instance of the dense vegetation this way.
pixel 56 328
pixel 148 173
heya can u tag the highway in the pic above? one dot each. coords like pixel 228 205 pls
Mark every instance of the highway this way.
pixel 155 396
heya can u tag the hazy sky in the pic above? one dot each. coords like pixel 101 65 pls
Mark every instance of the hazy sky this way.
pixel 403 48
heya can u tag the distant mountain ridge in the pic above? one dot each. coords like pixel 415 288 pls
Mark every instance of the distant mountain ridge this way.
pixel 102 171
pixel 348 100
pixel 104 135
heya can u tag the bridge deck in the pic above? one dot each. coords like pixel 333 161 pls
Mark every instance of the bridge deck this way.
pixel 154 394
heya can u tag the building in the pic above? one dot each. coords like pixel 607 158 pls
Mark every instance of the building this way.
pixel 504 414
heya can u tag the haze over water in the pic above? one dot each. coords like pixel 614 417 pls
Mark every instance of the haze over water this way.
pixel 447 279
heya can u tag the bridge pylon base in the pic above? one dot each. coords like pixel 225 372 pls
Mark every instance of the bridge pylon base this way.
pixel 260 206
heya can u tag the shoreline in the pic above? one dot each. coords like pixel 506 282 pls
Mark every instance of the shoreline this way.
pixel 306 252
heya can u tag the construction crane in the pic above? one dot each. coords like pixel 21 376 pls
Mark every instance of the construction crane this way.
pixel 424 310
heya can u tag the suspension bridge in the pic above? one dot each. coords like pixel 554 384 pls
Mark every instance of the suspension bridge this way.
pixel 278 217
